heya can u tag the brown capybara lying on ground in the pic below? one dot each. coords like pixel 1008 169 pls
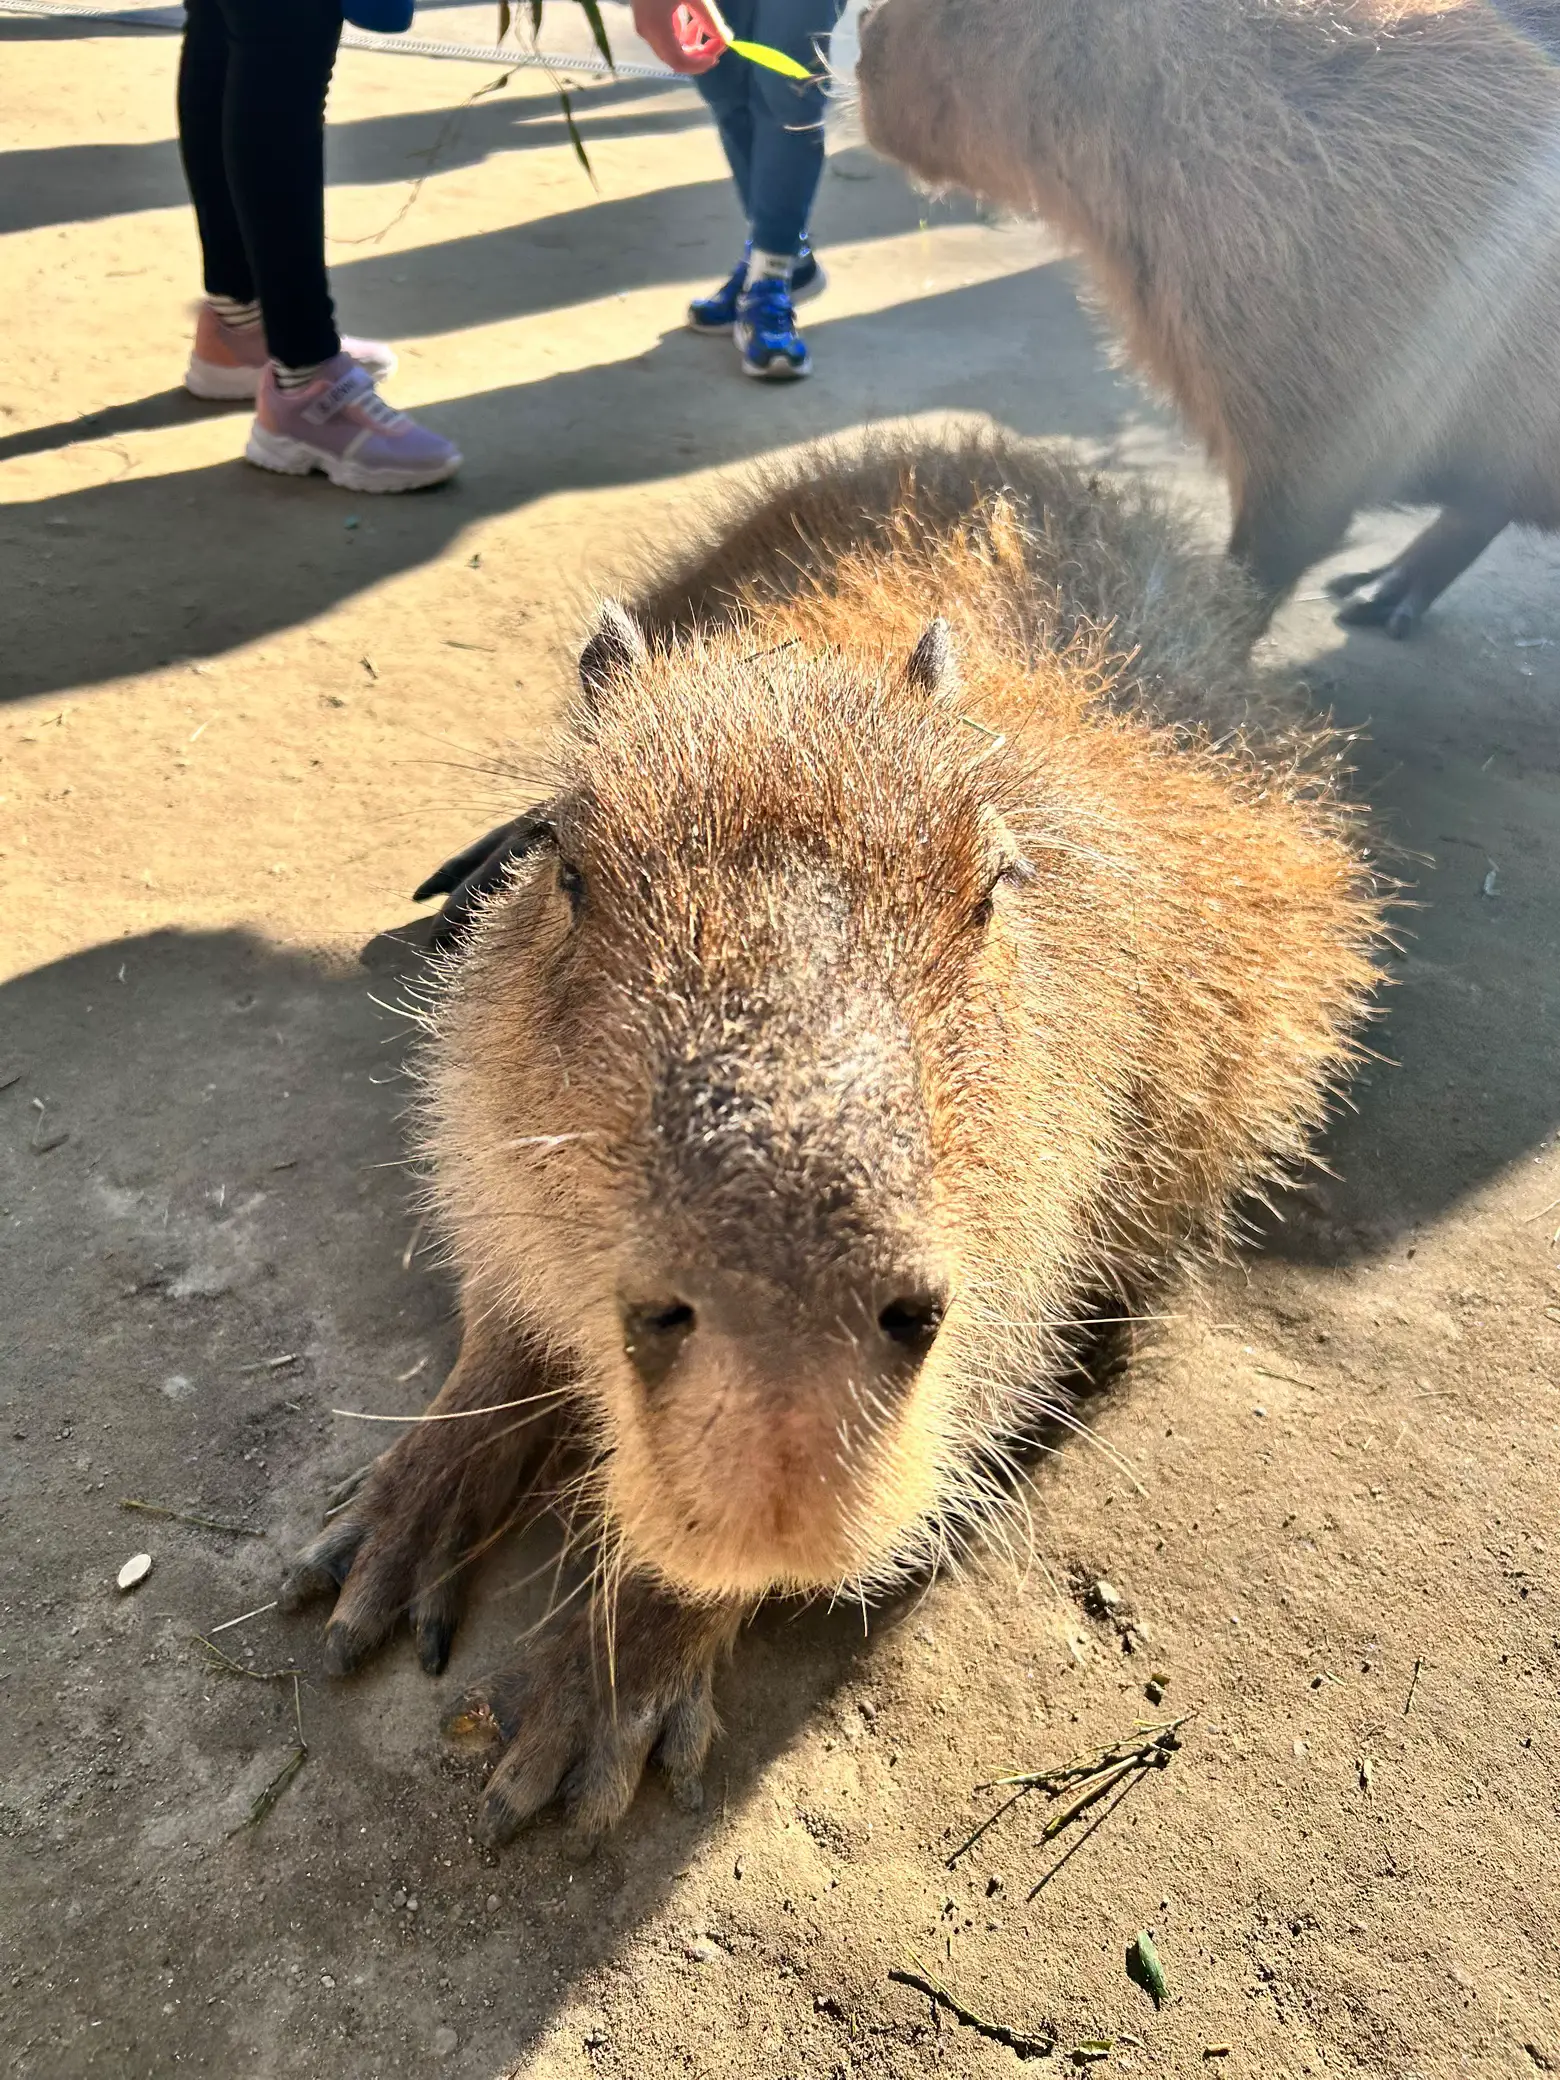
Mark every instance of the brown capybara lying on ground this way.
pixel 1328 229
pixel 925 939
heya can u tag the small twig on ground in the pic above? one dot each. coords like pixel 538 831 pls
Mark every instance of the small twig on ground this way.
pixel 1073 1847
pixel 1288 1378
pixel 231 1667
pixel 267 1797
pixel 184 1516
pixel 273 1791
pixel 275 1364
pixel 925 1982
pixel 244 1617
pixel 1408 1702
pixel 1083 1782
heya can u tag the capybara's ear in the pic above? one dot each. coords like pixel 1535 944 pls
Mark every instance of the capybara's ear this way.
pixel 933 667
pixel 615 648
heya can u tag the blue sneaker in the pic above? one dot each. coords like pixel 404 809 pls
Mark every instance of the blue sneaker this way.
pixel 765 331
pixel 717 314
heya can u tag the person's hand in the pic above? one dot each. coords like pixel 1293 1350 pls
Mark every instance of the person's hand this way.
pixel 682 33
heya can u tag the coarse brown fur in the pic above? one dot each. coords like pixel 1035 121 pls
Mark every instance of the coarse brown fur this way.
pixel 1328 230
pixel 856 1017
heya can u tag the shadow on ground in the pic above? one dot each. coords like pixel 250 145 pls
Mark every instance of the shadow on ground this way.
pixel 223 1240
pixel 1460 770
pixel 250 553
pixel 82 183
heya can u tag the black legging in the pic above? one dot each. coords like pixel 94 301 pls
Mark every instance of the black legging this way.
pixel 253 76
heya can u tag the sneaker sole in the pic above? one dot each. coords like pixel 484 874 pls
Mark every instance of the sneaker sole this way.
pixel 815 287
pixel 291 458
pixel 778 371
pixel 218 385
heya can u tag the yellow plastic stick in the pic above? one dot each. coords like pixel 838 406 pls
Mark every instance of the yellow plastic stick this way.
pixel 755 53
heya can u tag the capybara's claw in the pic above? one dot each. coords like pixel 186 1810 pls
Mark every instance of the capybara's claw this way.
pixel 478 870
pixel 321 1567
pixel 579 1735
pixel 410 1525
pixel 1347 583
pixel 1385 599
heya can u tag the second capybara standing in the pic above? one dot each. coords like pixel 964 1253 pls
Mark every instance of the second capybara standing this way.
pixel 1329 230
pixel 925 934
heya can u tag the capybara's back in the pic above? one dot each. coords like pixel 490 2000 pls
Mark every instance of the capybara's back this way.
pixel 1326 228
pixel 927 935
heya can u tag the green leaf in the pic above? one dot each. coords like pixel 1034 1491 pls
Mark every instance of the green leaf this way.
pixel 575 138
pixel 598 29
pixel 1145 1970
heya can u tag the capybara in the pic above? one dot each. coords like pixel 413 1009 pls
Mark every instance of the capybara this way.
pixel 1329 230
pixel 926 935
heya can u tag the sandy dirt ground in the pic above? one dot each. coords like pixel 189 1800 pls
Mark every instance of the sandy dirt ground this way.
pixel 241 716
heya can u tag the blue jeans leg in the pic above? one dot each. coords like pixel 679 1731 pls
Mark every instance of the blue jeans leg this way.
pixel 772 127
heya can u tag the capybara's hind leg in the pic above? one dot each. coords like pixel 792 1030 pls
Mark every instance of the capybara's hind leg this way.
pixel 1278 540
pixel 593 1700
pixel 1396 596
pixel 403 1541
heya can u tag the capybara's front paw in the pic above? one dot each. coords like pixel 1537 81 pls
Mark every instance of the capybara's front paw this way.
pixel 404 1540
pixel 580 1716
pixel 478 871
pixel 398 1547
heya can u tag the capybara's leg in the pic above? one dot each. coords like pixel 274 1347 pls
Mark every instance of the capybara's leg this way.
pixel 480 869
pixel 1278 540
pixel 404 1540
pixel 593 1700
pixel 1395 596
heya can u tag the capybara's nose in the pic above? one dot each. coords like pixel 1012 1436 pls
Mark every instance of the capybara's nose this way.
pixel 891 1321
pixel 654 1333
pixel 910 1320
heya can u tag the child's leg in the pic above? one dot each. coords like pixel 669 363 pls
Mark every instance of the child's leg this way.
pixel 203 66
pixel 728 90
pixel 786 162
pixel 273 137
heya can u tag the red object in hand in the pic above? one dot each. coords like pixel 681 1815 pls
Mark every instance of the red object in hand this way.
pixel 680 32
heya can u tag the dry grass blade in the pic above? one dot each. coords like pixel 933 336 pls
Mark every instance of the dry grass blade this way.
pixel 1015 2040
pixel 1083 1780
pixel 272 1792
pixel 184 1516
pixel 266 1799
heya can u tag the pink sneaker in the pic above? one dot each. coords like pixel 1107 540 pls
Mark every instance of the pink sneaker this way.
pixel 339 423
pixel 227 361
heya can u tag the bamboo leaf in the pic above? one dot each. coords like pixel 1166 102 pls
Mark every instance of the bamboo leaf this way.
pixel 575 138
pixel 598 29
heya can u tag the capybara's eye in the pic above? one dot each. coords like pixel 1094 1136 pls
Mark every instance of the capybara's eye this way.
pixel 985 910
pixel 571 883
